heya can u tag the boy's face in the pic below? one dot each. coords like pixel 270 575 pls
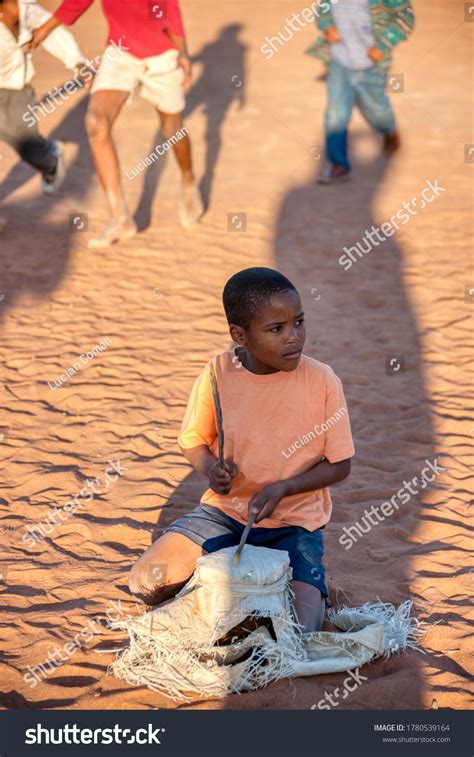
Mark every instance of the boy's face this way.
pixel 276 336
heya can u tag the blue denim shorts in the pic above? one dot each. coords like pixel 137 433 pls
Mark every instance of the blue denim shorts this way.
pixel 212 530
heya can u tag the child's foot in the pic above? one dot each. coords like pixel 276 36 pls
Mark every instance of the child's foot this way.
pixel 50 183
pixel 391 143
pixel 333 175
pixel 191 206
pixel 116 231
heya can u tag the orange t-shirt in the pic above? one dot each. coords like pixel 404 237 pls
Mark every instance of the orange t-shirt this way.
pixel 275 426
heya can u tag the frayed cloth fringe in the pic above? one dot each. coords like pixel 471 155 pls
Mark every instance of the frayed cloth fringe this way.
pixel 173 649
pixel 401 629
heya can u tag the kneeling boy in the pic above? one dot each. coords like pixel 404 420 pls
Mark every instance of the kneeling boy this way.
pixel 287 439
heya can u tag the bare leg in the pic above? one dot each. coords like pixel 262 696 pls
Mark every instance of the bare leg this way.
pixel 309 606
pixel 102 112
pixel 164 568
pixel 170 124
pixel 191 206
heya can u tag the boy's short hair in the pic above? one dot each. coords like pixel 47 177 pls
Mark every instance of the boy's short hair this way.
pixel 249 290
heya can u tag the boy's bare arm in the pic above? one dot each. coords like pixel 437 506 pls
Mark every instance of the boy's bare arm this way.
pixel 184 60
pixel 202 460
pixel 40 33
pixel 317 477
pixel 178 41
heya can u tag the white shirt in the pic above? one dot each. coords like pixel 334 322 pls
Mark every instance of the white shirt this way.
pixel 16 68
pixel 354 24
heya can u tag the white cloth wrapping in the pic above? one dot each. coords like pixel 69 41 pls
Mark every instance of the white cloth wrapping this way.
pixel 173 648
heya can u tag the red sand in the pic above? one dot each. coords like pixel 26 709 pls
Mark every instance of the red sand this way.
pixel 158 299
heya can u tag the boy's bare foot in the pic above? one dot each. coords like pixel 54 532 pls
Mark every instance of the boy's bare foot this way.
pixel 333 175
pixel 391 143
pixel 116 231
pixel 191 206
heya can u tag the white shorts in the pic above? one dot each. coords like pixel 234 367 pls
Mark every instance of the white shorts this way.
pixel 160 78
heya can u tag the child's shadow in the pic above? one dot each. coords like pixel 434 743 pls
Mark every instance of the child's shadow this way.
pixel 35 252
pixel 222 81
pixel 185 497
pixel 359 320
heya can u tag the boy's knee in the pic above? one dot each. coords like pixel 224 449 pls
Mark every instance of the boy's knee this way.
pixel 134 580
pixel 98 125
pixel 142 580
pixel 148 584
pixel 336 119
pixel 171 123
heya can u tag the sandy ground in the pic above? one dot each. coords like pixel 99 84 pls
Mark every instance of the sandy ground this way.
pixel 256 128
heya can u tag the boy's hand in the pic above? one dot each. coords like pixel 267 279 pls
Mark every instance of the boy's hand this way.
pixel 266 500
pixel 375 54
pixel 220 479
pixel 332 35
pixel 87 75
pixel 39 35
pixel 184 62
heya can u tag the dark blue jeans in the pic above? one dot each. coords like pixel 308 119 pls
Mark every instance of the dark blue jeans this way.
pixel 345 89
pixel 212 529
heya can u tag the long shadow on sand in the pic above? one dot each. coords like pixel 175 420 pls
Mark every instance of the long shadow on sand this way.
pixel 39 268
pixel 221 83
pixel 360 321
